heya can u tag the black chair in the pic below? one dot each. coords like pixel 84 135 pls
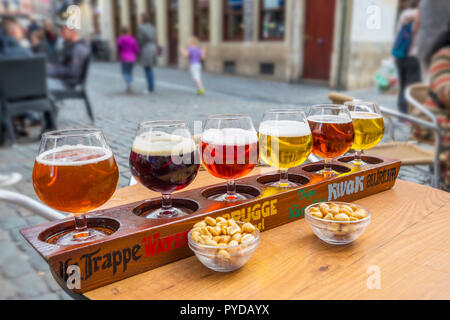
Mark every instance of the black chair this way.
pixel 78 91
pixel 23 88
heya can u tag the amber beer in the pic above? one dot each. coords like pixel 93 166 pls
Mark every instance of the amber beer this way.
pixel 164 163
pixel 75 179
pixel 333 135
pixel 284 144
pixel 369 129
pixel 229 153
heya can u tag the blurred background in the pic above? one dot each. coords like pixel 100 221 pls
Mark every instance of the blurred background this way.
pixel 114 63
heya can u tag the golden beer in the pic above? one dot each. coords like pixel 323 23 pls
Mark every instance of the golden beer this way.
pixel 369 130
pixel 284 144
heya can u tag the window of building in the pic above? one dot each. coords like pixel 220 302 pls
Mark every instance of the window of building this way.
pixel 201 19
pixel 233 20
pixel 272 16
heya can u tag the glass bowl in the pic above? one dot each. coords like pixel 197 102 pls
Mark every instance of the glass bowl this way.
pixel 224 259
pixel 337 232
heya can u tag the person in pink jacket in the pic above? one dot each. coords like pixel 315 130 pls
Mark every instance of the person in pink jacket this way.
pixel 128 49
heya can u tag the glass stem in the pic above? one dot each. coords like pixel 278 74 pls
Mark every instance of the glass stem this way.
pixel 327 166
pixel 358 156
pixel 284 177
pixel 81 230
pixel 166 205
pixel 231 189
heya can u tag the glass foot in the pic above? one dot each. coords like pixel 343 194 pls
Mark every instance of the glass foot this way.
pixel 328 174
pixel 166 213
pixel 283 184
pixel 76 237
pixel 229 197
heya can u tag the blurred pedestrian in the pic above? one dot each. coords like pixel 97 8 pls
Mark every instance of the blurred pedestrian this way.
pixel 148 43
pixel 196 55
pixel 438 62
pixel 405 52
pixel 434 16
pixel 33 26
pixel 66 74
pixel 128 49
pixel 50 35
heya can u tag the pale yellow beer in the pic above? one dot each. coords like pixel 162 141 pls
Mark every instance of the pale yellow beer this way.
pixel 369 129
pixel 284 144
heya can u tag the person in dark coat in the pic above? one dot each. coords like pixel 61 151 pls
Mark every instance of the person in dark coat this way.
pixel 148 43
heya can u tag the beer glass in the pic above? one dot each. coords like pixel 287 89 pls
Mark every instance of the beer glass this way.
pixel 164 158
pixel 75 172
pixel 333 134
pixel 368 124
pixel 229 150
pixel 285 142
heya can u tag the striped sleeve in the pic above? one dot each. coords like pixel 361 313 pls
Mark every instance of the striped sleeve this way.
pixel 440 76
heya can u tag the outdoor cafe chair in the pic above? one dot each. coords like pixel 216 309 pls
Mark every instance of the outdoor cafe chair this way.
pixel 78 91
pixel 23 88
pixel 409 152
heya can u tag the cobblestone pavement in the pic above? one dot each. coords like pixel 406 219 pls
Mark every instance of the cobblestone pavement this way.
pixel 23 273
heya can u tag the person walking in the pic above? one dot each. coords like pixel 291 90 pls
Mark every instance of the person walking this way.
pixel 196 55
pixel 148 43
pixel 128 50
pixel 405 52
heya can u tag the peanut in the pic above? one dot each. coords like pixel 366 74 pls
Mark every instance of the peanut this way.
pixel 316 214
pixel 200 224
pixel 247 238
pixel 341 217
pixel 248 227
pixel 210 221
pixel 210 242
pixel 223 254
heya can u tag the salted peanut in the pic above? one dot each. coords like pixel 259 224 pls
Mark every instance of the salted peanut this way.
pixel 212 231
pixel 347 210
pixel 221 224
pixel 360 214
pixel 197 230
pixel 341 217
pixel 221 220
pixel 222 245
pixel 205 231
pixel 210 242
pixel 205 238
pixel 329 216
pixel 210 221
pixel 314 209
pixel 316 214
pixel 200 224
pixel 334 211
pixel 231 222
pixel 353 219
pixel 223 254
pixel 237 237
pixel 233 243
pixel 224 230
pixel 225 239
pixel 247 238
pixel 324 208
pixel 196 236
pixel 233 229
pixel 333 206
pixel 248 227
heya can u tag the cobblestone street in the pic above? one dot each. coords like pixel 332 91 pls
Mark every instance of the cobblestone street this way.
pixel 23 273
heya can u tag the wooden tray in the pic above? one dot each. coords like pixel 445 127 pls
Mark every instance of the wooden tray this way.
pixel 138 244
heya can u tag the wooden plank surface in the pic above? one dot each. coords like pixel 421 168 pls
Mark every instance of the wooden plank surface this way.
pixel 408 240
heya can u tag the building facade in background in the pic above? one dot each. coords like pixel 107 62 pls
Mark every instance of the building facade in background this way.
pixel 337 42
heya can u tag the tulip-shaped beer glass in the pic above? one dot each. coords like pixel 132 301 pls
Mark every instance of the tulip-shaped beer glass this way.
pixel 164 158
pixel 333 134
pixel 369 126
pixel 75 172
pixel 229 150
pixel 285 142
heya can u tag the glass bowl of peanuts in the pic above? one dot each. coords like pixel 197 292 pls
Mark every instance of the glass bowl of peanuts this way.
pixel 337 222
pixel 223 245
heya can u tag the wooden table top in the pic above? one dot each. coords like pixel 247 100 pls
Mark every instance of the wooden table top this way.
pixel 408 242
